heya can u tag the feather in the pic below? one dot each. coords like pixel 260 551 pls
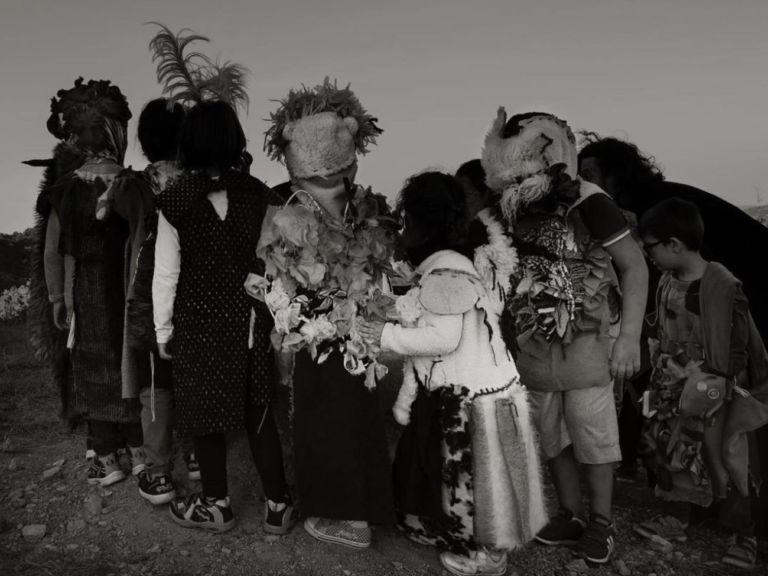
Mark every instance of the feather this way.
pixel 193 77
pixel 179 73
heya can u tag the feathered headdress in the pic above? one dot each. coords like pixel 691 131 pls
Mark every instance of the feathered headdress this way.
pixel 192 77
pixel 318 131
pixel 93 116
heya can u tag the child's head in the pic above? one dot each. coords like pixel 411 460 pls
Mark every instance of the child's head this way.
pixel 212 137
pixel 472 178
pixel 672 232
pixel 433 208
pixel 159 129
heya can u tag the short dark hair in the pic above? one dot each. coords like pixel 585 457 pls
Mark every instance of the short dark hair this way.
pixel 159 129
pixel 674 218
pixel 436 201
pixel 633 172
pixel 212 137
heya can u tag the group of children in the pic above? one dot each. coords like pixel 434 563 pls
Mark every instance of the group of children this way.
pixel 527 303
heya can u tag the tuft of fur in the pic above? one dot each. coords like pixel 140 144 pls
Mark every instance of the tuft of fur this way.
pixel 518 152
pixel 510 507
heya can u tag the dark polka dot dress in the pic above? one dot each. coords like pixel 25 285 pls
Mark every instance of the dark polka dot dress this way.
pixel 216 375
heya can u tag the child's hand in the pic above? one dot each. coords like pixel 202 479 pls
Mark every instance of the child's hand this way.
pixel 371 332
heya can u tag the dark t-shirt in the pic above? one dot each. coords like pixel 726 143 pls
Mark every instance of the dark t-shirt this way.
pixel 603 218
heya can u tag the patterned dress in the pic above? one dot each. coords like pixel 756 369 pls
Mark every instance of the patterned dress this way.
pixel 671 443
pixel 216 375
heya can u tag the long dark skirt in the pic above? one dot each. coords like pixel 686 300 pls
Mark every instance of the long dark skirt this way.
pixel 342 465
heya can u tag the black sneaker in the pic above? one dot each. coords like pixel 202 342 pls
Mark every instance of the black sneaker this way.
pixel 156 489
pixel 197 511
pixel 596 544
pixel 105 471
pixel 562 530
pixel 278 522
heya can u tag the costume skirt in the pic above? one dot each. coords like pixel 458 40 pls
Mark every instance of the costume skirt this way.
pixel 342 465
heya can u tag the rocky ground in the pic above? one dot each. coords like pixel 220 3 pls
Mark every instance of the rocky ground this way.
pixel 53 523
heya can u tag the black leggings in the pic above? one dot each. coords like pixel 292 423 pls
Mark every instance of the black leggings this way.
pixel 211 454
pixel 107 437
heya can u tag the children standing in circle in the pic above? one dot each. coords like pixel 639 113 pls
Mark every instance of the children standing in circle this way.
pixel 467 469
pixel 208 228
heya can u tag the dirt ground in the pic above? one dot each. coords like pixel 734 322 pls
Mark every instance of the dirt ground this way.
pixel 114 532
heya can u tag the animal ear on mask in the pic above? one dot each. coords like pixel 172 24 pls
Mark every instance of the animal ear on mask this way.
pixel 499 122
pixel 351 125
pixel 288 132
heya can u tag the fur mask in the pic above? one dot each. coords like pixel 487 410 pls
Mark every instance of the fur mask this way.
pixel 318 132
pixel 518 154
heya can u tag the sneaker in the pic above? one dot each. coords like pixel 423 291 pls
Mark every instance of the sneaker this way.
pixel 662 527
pixel 342 532
pixel 197 511
pixel 105 471
pixel 596 544
pixel 742 552
pixel 278 520
pixel 562 530
pixel 138 460
pixel 193 467
pixel 479 563
pixel 156 489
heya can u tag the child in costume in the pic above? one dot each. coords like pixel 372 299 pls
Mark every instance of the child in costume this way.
pixel 466 473
pixel 343 476
pixel 84 270
pixel 709 387
pixel 146 375
pixel 564 302
pixel 216 337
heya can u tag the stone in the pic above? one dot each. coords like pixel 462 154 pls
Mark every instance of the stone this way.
pixel 102 524
pixel 661 544
pixel 51 472
pixel 226 551
pixel 13 465
pixel 154 550
pixel 33 532
pixel 75 526
pixel 578 566
pixel 397 565
pixel 679 556
pixel 622 568
pixel 59 463
pixel 73 546
pixel 184 553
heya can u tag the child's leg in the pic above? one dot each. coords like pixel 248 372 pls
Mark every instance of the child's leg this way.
pixel 105 437
pixel 211 452
pixel 267 452
pixel 555 442
pixel 711 453
pixel 590 416
pixel 156 417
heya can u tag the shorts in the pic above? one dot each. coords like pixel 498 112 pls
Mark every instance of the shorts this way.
pixel 585 417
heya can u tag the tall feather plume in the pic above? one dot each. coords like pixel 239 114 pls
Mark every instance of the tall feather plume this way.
pixel 192 77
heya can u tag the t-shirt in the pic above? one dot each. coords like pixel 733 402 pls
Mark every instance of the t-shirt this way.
pixel 603 219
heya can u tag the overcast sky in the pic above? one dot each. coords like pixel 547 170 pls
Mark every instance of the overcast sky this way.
pixel 687 80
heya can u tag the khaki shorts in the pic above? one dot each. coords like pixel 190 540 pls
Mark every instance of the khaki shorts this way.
pixel 585 417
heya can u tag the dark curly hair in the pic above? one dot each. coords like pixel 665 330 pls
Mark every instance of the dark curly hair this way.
pixel 434 208
pixel 159 129
pixel 633 172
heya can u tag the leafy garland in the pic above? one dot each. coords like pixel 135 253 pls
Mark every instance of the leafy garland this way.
pixel 321 275
pixel 325 97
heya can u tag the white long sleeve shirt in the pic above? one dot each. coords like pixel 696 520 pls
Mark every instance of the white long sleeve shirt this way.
pixel 168 267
